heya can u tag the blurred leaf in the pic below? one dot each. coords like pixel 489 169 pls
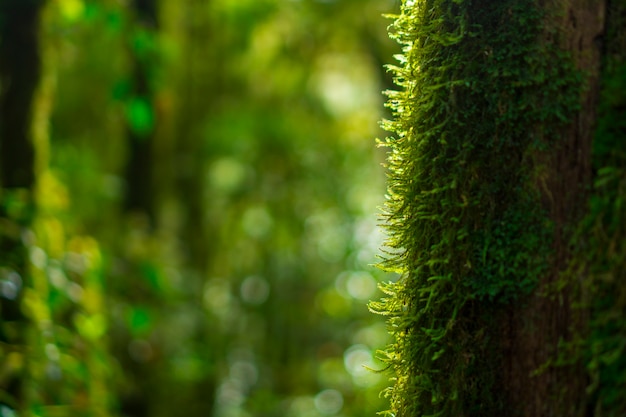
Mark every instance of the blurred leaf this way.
pixel 72 10
pixel 121 89
pixel 151 273
pixel 140 321
pixel 91 327
pixel 140 116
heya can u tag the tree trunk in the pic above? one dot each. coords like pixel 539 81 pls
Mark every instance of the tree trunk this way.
pixel 141 113
pixel 20 70
pixel 534 333
pixel 490 173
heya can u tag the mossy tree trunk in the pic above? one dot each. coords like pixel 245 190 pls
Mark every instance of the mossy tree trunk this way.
pixel 490 173
pixel 536 379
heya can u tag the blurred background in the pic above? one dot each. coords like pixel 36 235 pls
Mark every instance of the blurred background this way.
pixel 207 212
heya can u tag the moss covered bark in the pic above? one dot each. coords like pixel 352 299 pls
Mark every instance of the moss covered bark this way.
pixel 488 171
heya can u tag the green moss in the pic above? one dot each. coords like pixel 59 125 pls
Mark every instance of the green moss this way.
pixel 481 93
pixel 511 253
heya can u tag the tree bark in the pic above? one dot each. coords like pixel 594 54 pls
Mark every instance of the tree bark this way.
pixel 533 335
pixel 20 68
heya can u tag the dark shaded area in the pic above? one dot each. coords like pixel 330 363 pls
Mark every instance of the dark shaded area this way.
pixel 20 70
pixel 19 76
pixel 536 333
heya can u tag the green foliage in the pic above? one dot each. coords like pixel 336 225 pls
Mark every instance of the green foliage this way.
pixel 57 331
pixel 140 116
pixel 484 89
pixel 243 292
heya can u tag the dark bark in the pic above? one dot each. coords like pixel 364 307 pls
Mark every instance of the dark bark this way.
pixel 140 189
pixel 139 184
pixel 532 335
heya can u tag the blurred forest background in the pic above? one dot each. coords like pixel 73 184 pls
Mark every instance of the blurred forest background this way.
pixel 189 207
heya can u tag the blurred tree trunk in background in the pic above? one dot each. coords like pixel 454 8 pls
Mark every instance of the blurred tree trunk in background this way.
pixel 20 73
pixel 140 110
pixel 200 91
pixel 20 69
pixel 165 113
pixel 137 354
